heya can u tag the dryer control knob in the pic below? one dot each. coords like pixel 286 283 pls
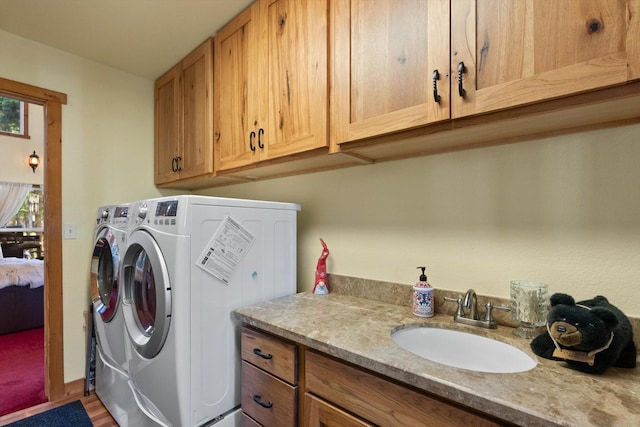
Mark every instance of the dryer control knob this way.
pixel 142 211
pixel 104 214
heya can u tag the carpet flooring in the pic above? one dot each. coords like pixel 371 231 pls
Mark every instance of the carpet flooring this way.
pixel 70 415
pixel 21 370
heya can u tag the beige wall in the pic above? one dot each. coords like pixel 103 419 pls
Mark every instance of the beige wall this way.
pixel 16 151
pixel 564 210
pixel 107 157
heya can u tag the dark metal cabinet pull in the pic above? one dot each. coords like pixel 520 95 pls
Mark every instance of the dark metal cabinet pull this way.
pixel 175 164
pixel 461 70
pixel 259 352
pixel 260 133
pixel 252 147
pixel 436 77
pixel 258 399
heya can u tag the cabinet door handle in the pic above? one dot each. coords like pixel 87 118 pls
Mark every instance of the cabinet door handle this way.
pixel 174 164
pixel 258 399
pixel 259 352
pixel 252 147
pixel 436 77
pixel 260 133
pixel 461 69
pixel 178 167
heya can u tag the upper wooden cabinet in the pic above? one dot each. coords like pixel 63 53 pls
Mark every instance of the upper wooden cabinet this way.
pixel 271 83
pixel 184 118
pixel 521 52
pixel 503 54
pixel 385 56
pixel 372 80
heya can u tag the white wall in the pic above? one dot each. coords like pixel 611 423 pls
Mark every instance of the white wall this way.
pixel 15 151
pixel 107 157
pixel 563 210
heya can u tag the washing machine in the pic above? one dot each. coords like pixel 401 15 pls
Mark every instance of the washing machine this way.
pixel 111 376
pixel 190 261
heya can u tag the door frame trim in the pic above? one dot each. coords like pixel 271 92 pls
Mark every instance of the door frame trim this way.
pixel 52 102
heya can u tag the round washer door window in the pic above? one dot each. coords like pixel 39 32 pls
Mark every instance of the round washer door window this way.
pixel 147 294
pixel 105 265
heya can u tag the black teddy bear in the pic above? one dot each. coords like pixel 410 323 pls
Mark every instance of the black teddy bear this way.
pixel 590 335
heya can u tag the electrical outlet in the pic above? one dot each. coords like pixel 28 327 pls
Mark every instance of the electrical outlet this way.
pixel 70 231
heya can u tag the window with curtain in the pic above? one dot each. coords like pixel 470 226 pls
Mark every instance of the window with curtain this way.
pixel 13 197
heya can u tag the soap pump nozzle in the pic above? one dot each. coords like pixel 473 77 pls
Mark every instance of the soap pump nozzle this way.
pixel 423 277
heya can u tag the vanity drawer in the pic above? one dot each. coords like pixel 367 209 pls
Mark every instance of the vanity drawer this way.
pixel 247 421
pixel 266 399
pixel 272 354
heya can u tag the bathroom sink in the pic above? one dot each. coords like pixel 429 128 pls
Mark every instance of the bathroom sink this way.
pixel 463 350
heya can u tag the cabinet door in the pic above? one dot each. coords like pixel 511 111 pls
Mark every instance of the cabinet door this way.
pixel 168 124
pixel 318 413
pixel 293 71
pixel 235 75
pixel 385 55
pixel 520 52
pixel 197 112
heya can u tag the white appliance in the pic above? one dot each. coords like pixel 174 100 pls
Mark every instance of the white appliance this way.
pixel 190 261
pixel 111 360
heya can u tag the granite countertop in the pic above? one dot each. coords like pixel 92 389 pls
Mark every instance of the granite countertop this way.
pixel 358 330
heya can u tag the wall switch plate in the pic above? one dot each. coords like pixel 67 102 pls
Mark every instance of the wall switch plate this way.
pixel 70 231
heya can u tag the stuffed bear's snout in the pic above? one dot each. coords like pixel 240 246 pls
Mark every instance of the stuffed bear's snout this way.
pixel 565 333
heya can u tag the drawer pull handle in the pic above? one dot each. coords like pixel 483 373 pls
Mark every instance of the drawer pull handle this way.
pixel 259 352
pixel 258 399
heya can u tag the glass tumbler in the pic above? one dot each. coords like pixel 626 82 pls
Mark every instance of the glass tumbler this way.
pixel 529 307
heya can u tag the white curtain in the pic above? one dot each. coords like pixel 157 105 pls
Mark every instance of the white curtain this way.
pixel 12 195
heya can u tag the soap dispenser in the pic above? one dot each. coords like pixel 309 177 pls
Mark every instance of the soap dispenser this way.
pixel 423 297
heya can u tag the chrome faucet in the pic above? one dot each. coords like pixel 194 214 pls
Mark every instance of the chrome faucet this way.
pixel 470 302
pixel 467 311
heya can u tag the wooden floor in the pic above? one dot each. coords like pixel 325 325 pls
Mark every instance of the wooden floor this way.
pixel 99 415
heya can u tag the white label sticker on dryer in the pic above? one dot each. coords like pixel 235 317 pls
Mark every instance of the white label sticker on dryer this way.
pixel 226 249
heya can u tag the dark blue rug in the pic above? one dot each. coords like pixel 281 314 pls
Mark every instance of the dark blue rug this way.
pixel 71 414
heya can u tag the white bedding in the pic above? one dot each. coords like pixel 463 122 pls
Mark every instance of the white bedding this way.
pixel 21 272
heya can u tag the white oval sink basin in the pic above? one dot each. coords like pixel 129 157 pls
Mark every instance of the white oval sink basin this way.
pixel 463 350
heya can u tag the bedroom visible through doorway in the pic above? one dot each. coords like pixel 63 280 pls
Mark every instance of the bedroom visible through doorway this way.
pixel 52 102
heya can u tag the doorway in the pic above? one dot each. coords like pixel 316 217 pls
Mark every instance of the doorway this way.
pixel 53 315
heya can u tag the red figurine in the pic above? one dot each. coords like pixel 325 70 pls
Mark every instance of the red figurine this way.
pixel 321 286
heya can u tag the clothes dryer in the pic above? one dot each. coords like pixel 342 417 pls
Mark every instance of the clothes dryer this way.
pixel 190 261
pixel 111 361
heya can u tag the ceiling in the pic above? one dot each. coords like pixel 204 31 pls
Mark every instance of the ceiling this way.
pixel 140 37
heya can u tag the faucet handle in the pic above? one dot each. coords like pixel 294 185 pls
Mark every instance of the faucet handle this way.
pixel 488 317
pixel 458 300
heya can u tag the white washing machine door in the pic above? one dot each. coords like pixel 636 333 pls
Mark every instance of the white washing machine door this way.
pixel 105 268
pixel 147 294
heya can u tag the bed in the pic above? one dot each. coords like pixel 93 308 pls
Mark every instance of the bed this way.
pixel 21 294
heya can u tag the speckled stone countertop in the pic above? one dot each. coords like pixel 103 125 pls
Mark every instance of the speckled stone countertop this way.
pixel 358 330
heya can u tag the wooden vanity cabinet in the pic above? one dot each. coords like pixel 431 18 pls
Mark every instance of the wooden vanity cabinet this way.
pixel 319 413
pixel 269 391
pixel 516 53
pixel 341 394
pixel 184 118
pixel 271 83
